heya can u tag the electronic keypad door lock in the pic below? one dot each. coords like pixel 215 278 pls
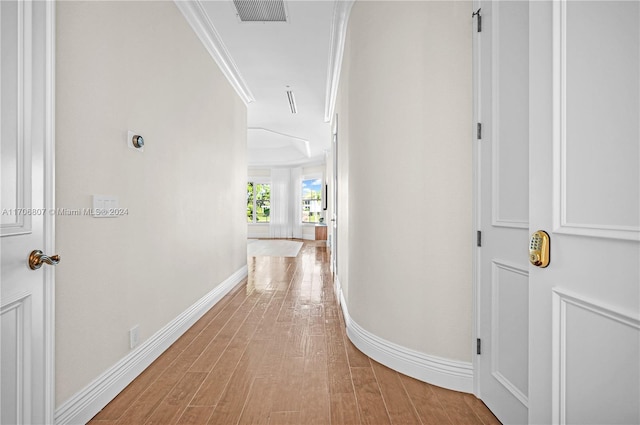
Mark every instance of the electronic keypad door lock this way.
pixel 539 249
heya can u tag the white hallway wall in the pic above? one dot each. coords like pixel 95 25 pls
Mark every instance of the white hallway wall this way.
pixel 139 66
pixel 405 178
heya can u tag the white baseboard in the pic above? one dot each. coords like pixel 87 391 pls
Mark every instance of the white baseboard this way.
pixel 446 373
pixel 85 404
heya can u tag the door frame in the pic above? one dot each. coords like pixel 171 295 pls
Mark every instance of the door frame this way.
pixel 49 205
pixel 476 199
pixel 334 190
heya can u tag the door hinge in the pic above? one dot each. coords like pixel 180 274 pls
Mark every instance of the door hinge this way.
pixel 479 131
pixel 477 13
pixel 478 238
pixel 478 346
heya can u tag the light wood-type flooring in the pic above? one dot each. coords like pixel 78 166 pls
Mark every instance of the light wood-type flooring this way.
pixel 274 351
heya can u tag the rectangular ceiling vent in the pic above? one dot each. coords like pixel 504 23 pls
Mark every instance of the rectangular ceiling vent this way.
pixel 261 10
pixel 292 102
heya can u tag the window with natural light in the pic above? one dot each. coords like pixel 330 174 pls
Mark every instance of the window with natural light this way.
pixel 311 200
pixel 258 202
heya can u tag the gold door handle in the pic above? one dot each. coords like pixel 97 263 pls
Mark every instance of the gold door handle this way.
pixel 37 258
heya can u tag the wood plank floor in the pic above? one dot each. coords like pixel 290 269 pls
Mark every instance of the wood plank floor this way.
pixel 274 351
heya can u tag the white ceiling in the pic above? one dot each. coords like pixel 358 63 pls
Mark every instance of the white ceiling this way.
pixel 272 58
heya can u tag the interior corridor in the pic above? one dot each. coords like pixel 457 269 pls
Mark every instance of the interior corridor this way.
pixel 274 351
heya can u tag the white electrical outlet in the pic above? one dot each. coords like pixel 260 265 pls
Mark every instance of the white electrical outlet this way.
pixel 134 336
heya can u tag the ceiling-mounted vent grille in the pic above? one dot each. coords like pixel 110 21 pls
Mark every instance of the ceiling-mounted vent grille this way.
pixel 261 10
pixel 292 102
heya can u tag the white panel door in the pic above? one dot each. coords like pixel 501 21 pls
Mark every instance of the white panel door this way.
pixel 26 313
pixel 502 108
pixel 584 335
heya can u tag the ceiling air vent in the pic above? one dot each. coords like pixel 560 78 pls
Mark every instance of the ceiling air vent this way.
pixel 292 102
pixel 261 10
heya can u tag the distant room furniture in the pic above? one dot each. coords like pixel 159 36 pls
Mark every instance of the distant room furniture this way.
pixel 321 232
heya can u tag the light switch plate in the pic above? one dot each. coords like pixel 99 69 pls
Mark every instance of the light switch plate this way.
pixel 105 206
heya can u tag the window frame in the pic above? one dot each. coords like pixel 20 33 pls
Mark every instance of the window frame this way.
pixel 312 176
pixel 257 181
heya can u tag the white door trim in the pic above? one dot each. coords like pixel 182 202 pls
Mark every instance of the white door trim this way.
pixel 49 205
pixel 475 207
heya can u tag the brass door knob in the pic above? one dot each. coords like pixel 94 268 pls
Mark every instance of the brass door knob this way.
pixel 37 258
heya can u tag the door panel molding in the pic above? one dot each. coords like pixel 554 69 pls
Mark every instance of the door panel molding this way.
pixel 15 326
pixel 498 178
pixel 509 386
pixel 561 203
pixel 496 283
pixel 561 300
pixel 15 223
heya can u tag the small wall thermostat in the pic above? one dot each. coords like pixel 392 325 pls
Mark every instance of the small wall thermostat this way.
pixel 135 141
pixel 138 141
